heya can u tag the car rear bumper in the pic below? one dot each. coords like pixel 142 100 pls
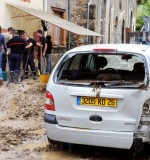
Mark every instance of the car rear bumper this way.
pixel 89 137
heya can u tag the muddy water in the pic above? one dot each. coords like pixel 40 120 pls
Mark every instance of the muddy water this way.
pixel 97 153
pixel 59 155
pixel 23 135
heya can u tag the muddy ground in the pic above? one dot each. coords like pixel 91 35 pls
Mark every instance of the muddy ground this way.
pixel 23 135
pixel 21 115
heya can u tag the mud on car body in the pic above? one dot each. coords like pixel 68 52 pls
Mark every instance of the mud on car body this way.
pixel 99 95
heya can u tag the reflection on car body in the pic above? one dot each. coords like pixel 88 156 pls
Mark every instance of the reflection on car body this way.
pixel 103 90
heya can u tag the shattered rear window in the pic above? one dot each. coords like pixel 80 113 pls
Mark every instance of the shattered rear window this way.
pixel 102 67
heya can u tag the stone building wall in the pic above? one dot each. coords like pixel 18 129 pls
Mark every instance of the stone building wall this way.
pixel 111 18
pixel 104 14
pixel 60 4
pixel 78 12
pixel 79 16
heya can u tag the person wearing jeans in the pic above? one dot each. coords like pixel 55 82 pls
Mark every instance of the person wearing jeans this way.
pixel 41 51
pixel 2 44
pixel 1 79
pixel 48 54
pixel 48 62
pixel 8 36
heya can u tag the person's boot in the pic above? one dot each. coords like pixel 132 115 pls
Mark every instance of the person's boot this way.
pixel 34 77
pixel 11 77
pixel 1 82
pixel 16 73
pixel 26 76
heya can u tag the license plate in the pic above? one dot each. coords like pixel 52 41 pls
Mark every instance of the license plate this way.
pixel 94 101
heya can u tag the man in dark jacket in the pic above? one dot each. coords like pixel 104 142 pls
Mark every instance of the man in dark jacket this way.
pixel 17 45
pixel 28 55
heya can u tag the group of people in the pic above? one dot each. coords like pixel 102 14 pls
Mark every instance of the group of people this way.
pixel 141 40
pixel 18 48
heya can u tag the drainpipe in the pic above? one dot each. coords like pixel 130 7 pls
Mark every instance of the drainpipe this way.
pixel 88 16
pixel 45 5
pixel 45 9
pixel 68 20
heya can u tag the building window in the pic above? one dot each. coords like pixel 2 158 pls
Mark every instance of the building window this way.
pixel 59 34
pixel 116 22
pixel 131 20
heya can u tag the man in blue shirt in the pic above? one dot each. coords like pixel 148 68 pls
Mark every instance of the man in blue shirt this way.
pixel 2 43
pixel 8 35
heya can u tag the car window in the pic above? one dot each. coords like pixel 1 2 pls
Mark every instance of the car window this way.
pixel 117 62
pixel 76 60
pixel 103 66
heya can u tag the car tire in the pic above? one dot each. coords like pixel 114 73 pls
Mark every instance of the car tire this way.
pixel 56 145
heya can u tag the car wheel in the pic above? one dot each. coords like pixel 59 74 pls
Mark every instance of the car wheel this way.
pixel 56 146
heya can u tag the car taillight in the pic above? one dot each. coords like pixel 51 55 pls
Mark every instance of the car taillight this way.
pixel 49 102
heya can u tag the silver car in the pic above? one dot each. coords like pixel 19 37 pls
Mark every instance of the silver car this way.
pixel 100 95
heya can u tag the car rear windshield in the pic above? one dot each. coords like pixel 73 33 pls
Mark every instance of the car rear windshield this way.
pixel 87 68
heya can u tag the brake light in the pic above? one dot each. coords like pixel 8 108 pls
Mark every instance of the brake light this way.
pixel 49 102
pixel 104 50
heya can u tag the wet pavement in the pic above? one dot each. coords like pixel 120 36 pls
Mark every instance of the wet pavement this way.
pixel 23 135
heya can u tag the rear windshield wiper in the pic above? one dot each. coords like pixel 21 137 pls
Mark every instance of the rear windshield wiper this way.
pixel 97 84
pixel 119 83
pixel 73 83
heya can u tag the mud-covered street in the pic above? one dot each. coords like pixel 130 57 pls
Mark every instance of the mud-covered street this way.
pixel 22 127
pixel 22 131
